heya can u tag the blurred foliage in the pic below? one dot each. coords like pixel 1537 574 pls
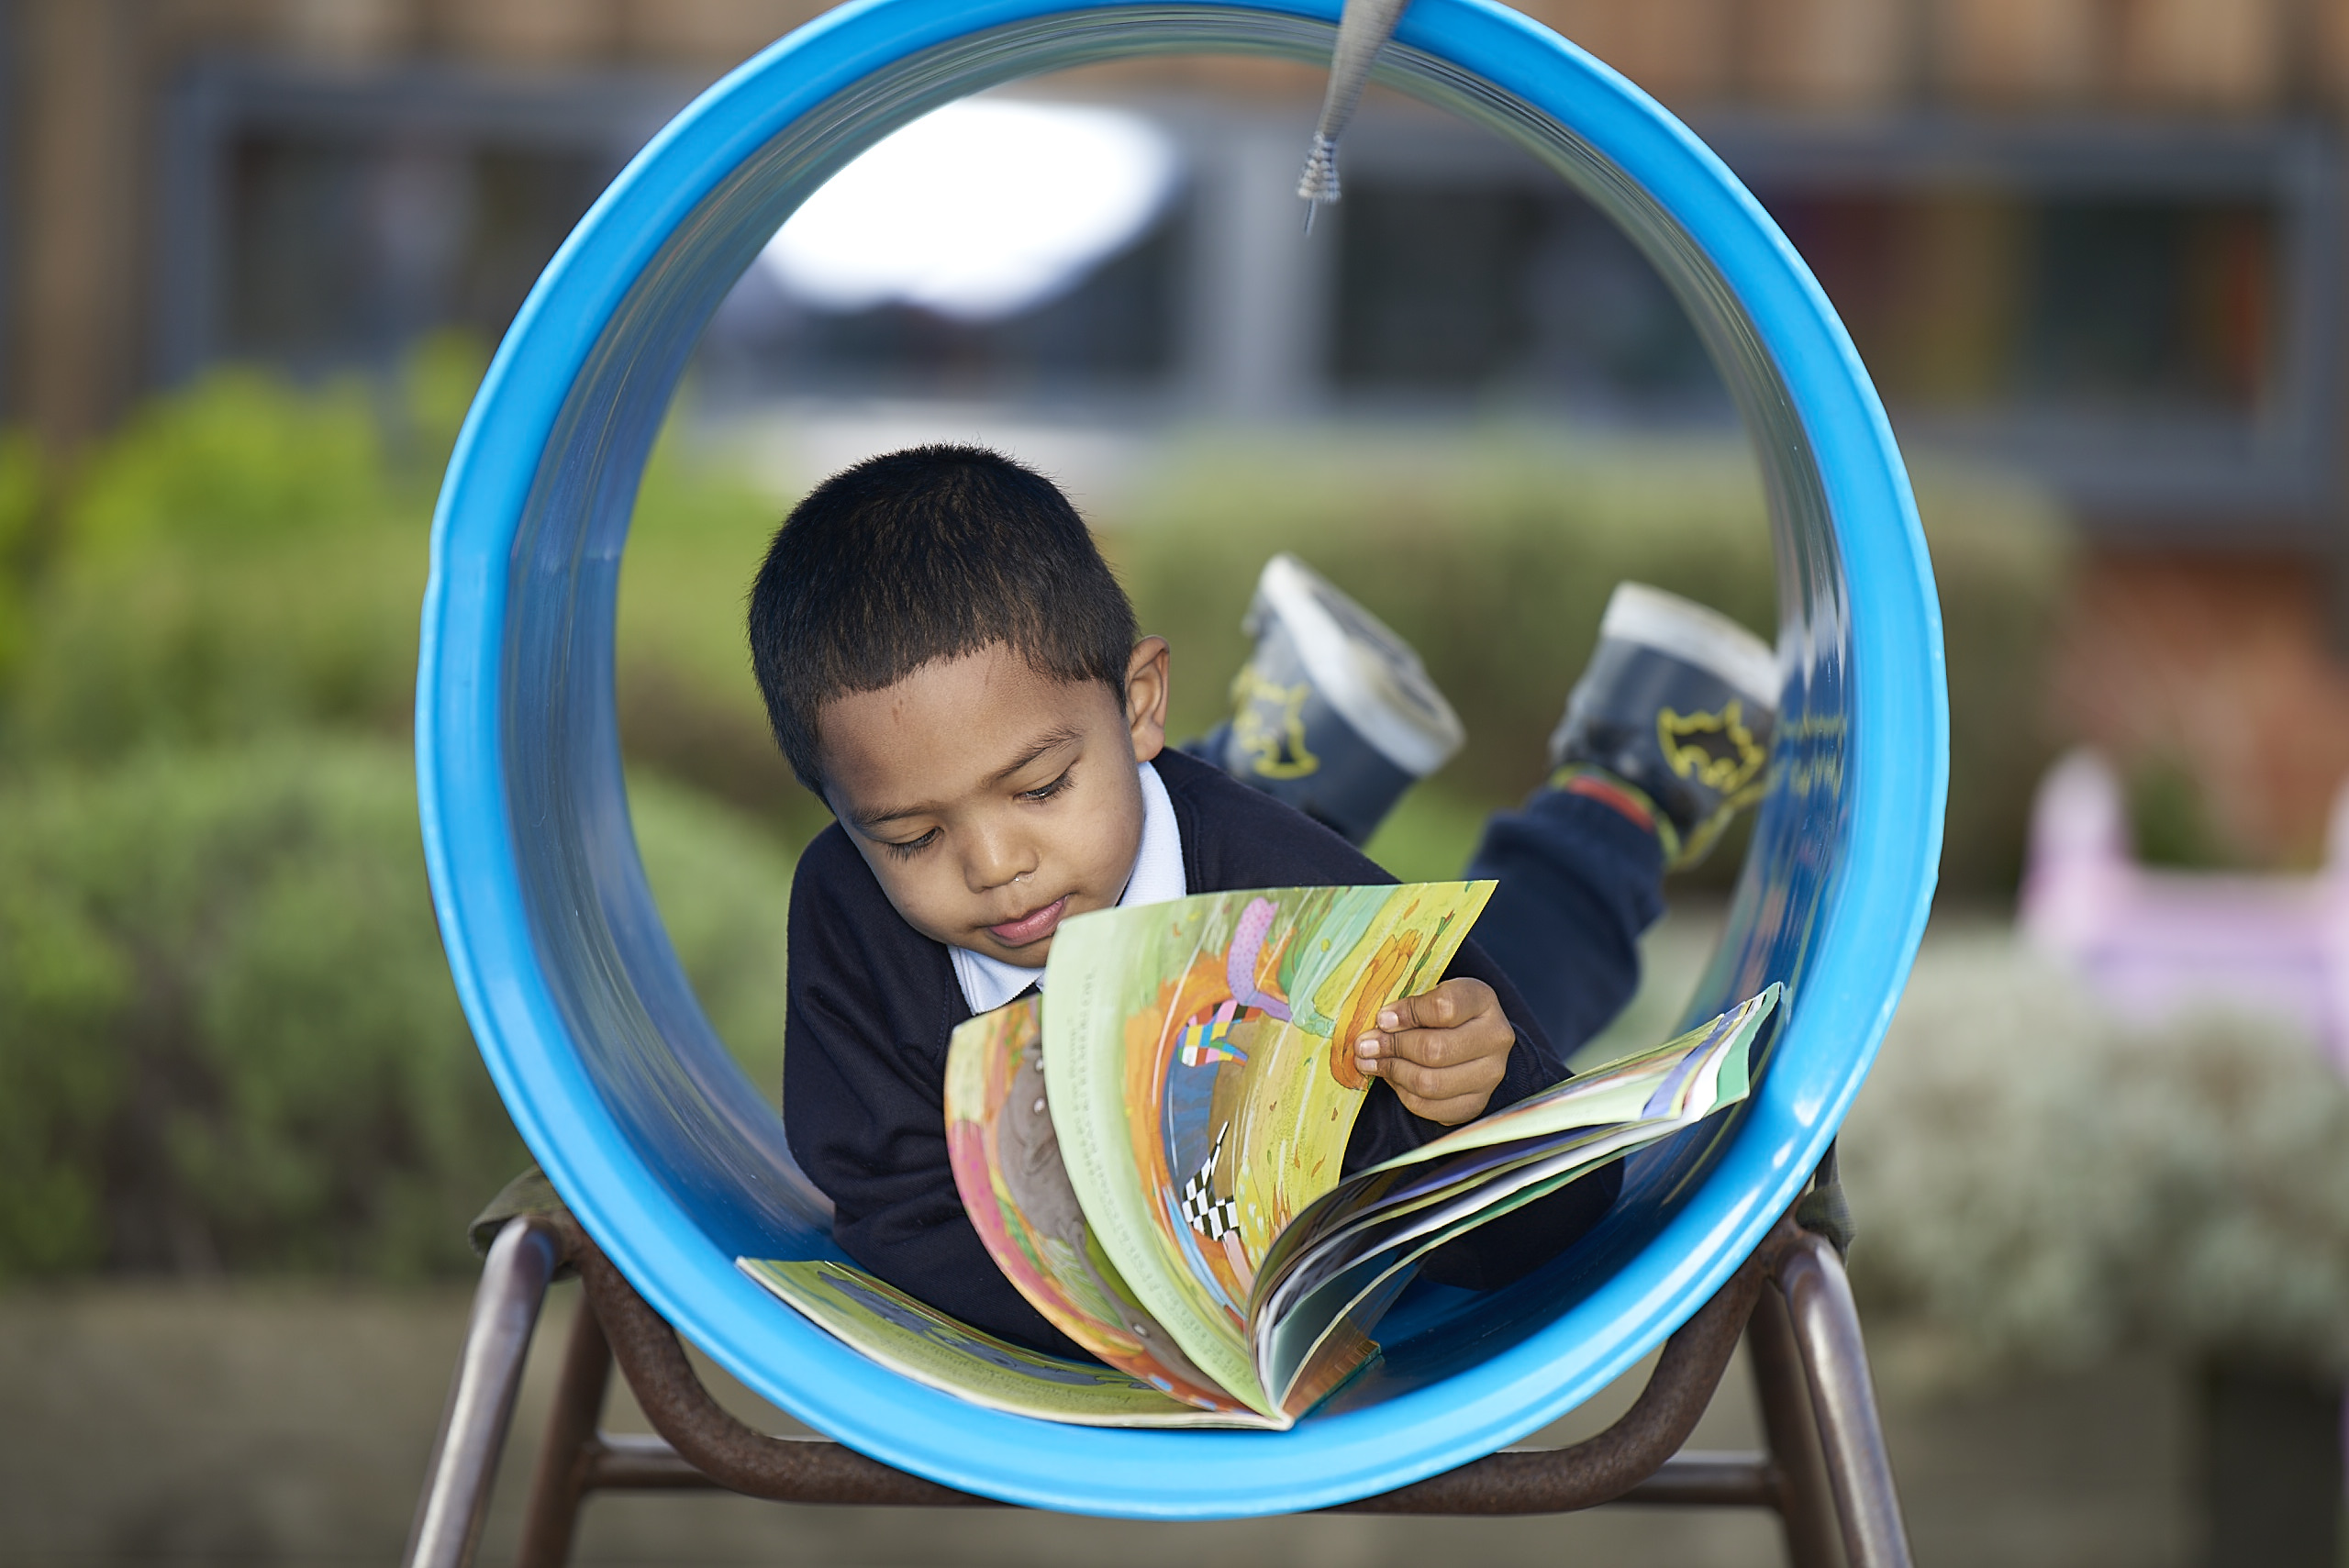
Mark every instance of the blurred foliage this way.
pixel 22 491
pixel 228 1035
pixel 2169 819
pixel 723 883
pixel 1495 560
pixel 249 555
pixel 243 460
pixel 687 702
pixel 2045 1184
pixel 239 558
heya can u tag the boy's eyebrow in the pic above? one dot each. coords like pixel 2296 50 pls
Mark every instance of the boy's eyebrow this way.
pixel 1051 740
pixel 1046 742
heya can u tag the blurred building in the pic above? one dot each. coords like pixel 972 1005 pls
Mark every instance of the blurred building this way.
pixel 2099 241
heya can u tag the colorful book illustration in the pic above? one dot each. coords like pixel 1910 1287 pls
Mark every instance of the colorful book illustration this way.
pixel 1153 1158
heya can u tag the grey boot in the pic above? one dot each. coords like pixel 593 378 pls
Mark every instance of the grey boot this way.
pixel 1332 712
pixel 1679 702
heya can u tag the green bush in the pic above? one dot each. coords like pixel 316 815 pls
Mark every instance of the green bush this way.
pixel 723 883
pixel 227 1035
pixel 239 557
pixel 687 703
pixel 248 556
pixel 244 459
pixel 2042 1184
pixel 22 489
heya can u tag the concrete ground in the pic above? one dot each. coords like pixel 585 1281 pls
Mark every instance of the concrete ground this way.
pixel 154 1425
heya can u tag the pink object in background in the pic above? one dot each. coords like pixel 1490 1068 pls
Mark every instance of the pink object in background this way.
pixel 2152 941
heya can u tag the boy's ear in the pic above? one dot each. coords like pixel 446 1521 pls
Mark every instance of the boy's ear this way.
pixel 1146 697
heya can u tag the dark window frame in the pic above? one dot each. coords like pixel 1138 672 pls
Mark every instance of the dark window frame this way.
pixel 2275 477
pixel 2273 474
pixel 219 101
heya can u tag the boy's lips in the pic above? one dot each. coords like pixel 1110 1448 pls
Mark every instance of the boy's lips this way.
pixel 1033 926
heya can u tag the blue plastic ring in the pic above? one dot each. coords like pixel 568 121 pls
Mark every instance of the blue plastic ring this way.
pixel 675 1163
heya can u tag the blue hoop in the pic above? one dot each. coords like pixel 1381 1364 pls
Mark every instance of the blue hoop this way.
pixel 675 1163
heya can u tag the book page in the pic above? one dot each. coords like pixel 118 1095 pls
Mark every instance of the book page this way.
pixel 1008 1167
pixel 921 1343
pixel 1297 1337
pixel 1199 1058
pixel 1379 1198
pixel 1383 1231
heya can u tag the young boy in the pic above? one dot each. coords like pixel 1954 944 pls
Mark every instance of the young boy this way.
pixel 948 662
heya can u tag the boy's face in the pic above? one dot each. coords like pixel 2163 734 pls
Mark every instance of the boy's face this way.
pixel 993 802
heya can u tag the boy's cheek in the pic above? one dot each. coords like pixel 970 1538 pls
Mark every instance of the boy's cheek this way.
pixel 916 904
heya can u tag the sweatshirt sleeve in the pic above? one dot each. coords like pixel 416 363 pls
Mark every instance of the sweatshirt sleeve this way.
pixel 864 1101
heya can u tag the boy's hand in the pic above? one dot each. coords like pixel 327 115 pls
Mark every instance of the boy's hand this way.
pixel 1444 1050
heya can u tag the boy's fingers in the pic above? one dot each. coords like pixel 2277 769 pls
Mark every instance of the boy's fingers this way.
pixel 1424 1048
pixel 1429 1047
pixel 1440 1008
pixel 1437 1048
pixel 1440 1051
pixel 1477 1077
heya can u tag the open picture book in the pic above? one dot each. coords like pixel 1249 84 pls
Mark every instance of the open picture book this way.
pixel 1151 1151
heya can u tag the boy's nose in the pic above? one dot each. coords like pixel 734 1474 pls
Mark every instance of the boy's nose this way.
pixel 996 862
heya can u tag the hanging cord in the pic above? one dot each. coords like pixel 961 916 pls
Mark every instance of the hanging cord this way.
pixel 1364 28
pixel 1824 1210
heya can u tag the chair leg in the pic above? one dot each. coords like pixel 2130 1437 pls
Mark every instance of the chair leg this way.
pixel 1826 1327
pixel 1806 1506
pixel 514 1279
pixel 565 1460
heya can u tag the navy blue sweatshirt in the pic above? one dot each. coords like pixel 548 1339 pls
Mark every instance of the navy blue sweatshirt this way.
pixel 872 1003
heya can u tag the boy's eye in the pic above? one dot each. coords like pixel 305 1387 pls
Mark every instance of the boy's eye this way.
pixel 1046 792
pixel 911 846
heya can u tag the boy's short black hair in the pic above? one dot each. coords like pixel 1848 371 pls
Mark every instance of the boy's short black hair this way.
pixel 920 555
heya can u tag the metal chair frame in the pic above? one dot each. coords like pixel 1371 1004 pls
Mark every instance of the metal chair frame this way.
pixel 1824 1471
